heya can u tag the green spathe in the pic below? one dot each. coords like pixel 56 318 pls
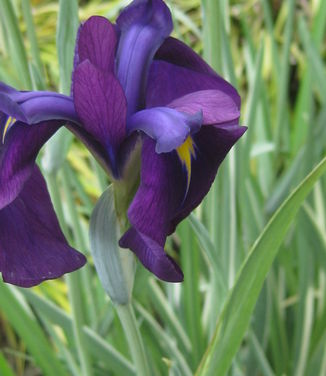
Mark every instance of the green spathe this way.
pixel 115 267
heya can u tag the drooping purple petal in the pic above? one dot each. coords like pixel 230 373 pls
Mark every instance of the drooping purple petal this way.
pixel 152 256
pixel 101 106
pixel 212 145
pixel 151 210
pixel 32 246
pixel 96 42
pixel 144 25
pixel 32 107
pixel 18 154
pixel 216 106
pixel 160 202
pixel 168 82
pixel 160 193
pixel 6 89
pixel 168 127
pixel 8 107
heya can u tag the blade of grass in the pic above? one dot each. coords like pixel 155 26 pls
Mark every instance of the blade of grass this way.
pixel 73 279
pixel 191 295
pixel 28 329
pixel 168 343
pixel 5 369
pixel 270 27
pixel 211 34
pixel 57 147
pixel 17 49
pixel 166 312
pixel 303 103
pixel 96 345
pixel 208 248
pixel 314 59
pixel 281 121
pixel 260 356
pixel 27 14
pixel 68 23
pixel 236 314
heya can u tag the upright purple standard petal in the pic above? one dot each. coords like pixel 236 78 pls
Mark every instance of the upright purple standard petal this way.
pixel 144 25
pixel 32 246
pixel 96 42
pixel 101 106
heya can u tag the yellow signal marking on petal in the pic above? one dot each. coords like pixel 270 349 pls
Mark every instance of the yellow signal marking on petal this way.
pixel 185 152
pixel 9 123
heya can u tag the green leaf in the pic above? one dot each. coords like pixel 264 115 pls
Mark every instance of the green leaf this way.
pixel 5 369
pixel 209 250
pixel 57 148
pixel 167 342
pixel 97 346
pixel 167 314
pixel 35 51
pixel 66 38
pixel 191 296
pixel 28 329
pixel 17 49
pixel 315 59
pixel 237 311
pixel 260 356
pixel 284 74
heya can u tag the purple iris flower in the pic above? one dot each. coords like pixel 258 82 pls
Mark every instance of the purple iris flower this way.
pixel 130 81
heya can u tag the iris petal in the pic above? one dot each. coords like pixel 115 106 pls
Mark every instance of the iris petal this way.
pixel 168 82
pixel 176 53
pixel 159 197
pixel 152 256
pixel 96 42
pixel 9 107
pixel 33 107
pixel 216 106
pixel 32 246
pixel 144 25
pixel 101 106
pixel 212 145
pixel 170 128
pixel 161 194
pixel 18 154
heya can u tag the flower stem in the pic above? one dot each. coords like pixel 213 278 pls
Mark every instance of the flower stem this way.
pixel 136 346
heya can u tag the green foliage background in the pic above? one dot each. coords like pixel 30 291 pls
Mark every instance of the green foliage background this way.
pixel 274 53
